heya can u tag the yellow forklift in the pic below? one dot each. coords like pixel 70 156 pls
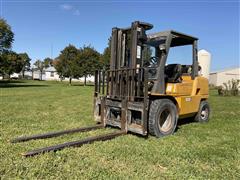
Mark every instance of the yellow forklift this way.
pixel 141 93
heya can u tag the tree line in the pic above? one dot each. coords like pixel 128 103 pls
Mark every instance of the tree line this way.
pixel 72 62
pixel 10 61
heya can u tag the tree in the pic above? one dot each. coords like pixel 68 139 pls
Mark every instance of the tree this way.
pixel 39 66
pixel 68 63
pixel 26 62
pixel 8 59
pixel 48 62
pixel 105 57
pixel 10 62
pixel 89 61
pixel 6 36
pixel 58 65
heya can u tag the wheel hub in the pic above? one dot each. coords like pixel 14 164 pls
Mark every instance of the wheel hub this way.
pixel 165 120
pixel 204 113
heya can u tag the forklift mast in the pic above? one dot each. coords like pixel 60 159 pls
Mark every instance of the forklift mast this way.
pixel 126 45
pixel 124 104
pixel 126 61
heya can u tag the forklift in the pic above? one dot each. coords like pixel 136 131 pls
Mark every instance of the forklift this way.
pixel 141 93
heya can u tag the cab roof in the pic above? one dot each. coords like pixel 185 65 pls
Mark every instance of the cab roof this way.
pixel 178 39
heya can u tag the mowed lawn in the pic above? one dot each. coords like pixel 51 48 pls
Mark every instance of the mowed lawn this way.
pixel 196 151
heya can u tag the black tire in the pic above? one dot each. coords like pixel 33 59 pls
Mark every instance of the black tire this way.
pixel 163 116
pixel 203 112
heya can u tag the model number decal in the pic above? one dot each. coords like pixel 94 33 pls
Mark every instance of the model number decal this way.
pixel 169 88
pixel 188 99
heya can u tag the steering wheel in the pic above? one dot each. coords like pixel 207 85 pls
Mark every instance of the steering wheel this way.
pixel 153 61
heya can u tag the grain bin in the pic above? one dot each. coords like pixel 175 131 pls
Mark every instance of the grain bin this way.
pixel 204 59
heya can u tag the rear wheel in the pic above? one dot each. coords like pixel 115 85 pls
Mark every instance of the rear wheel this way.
pixel 203 112
pixel 162 117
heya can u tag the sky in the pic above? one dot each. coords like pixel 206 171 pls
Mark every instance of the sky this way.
pixel 43 28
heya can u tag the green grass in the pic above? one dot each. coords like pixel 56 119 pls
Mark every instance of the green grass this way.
pixel 195 151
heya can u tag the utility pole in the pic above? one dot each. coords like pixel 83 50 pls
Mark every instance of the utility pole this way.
pixel 51 51
pixel 1 9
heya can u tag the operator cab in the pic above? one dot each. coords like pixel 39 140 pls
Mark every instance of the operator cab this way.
pixel 133 48
pixel 156 47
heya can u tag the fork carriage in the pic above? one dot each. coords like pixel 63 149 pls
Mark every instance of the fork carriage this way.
pixel 121 99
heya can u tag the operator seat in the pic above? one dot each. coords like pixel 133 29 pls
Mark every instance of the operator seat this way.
pixel 173 73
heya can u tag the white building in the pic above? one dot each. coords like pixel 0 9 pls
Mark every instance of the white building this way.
pixel 88 79
pixel 217 78
pixel 50 73
pixel 15 75
pixel 36 75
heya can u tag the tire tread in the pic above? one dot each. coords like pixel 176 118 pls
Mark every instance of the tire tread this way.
pixel 153 112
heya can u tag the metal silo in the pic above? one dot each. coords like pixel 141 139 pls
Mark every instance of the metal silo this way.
pixel 204 59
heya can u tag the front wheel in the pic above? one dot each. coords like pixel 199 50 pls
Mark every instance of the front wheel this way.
pixel 163 117
pixel 203 112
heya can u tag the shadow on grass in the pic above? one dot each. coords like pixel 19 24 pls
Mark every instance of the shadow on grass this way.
pixel 82 85
pixel 10 81
pixel 20 85
pixel 184 122
pixel 181 122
